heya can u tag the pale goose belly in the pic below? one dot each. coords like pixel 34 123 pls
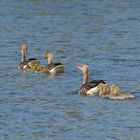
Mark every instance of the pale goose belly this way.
pixel 93 91
pixel 57 69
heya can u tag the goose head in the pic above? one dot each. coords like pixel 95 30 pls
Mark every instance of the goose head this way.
pixel 85 70
pixel 49 57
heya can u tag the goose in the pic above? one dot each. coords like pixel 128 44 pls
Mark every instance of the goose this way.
pixel 103 89
pixel 88 88
pixel 52 67
pixel 116 94
pixel 26 63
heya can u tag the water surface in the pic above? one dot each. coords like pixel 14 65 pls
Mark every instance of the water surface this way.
pixel 104 34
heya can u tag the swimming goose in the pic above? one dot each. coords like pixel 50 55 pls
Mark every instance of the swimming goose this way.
pixel 26 64
pixel 88 88
pixel 115 94
pixel 52 68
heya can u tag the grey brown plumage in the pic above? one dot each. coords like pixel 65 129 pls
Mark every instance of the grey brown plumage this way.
pixel 52 67
pixel 88 88
pixel 25 63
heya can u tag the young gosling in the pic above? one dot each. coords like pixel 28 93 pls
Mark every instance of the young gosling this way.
pixel 116 94
pixel 103 89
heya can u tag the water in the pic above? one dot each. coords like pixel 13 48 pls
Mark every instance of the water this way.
pixel 104 34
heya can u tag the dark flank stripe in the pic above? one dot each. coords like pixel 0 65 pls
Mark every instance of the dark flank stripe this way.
pixel 87 86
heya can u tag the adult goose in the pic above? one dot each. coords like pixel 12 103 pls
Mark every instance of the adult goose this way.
pixel 88 88
pixel 116 94
pixel 26 64
pixel 52 67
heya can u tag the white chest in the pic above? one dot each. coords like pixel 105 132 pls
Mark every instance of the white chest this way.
pixel 93 91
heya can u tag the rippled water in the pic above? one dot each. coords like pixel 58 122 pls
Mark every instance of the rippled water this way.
pixel 104 34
